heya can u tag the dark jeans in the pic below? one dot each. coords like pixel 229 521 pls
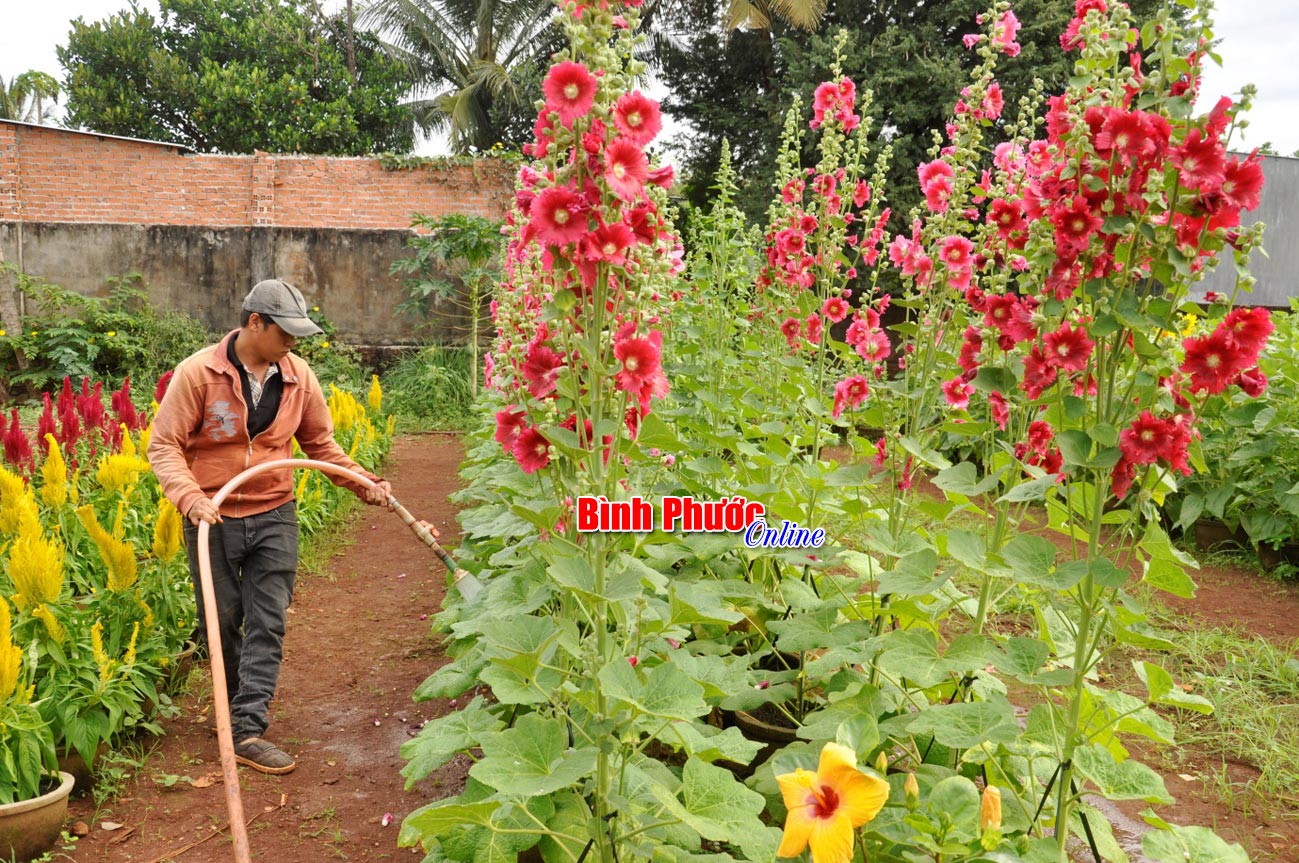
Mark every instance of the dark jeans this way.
pixel 254 563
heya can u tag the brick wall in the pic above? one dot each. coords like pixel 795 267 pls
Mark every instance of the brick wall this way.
pixel 53 175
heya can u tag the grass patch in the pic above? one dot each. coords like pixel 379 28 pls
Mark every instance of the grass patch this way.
pixel 318 550
pixel 430 389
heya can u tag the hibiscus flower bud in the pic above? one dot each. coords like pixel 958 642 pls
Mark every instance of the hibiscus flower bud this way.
pixel 911 788
pixel 990 810
pixel 882 764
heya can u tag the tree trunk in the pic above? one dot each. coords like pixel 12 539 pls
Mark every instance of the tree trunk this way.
pixel 10 320
pixel 351 44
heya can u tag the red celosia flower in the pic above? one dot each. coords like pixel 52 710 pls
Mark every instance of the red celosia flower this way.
pixel 849 393
pixel 835 309
pixel 626 169
pixel 569 89
pixel 509 423
pixel 637 117
pixel 557 216
pixel 640 358
pixel 161 389
pixel 531 450
pixel 957 392
pixel 1212 361
pixel 1201 161
pixel 17 449
pixel 1069 348
pixel 1242 182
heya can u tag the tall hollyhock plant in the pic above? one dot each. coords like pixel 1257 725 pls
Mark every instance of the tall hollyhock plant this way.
pixel 1065 267
pixel 591 259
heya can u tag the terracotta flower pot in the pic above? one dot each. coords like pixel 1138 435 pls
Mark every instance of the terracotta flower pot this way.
pixel 29 828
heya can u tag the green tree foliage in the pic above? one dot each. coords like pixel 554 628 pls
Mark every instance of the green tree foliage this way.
pixel 29 97
pixel 235 76
pixel 475 65
pixel 737 85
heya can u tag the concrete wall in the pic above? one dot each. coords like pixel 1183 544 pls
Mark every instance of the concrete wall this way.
pixel 77 208
pixel 1277 272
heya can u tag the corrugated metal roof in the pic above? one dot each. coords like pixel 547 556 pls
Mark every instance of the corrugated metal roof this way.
pixel 180 147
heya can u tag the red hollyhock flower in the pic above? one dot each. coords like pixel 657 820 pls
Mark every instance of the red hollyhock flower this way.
pixel 1039 372
pixel 541 369
pixel 1242 183
pixel 626 169
pixel 789 328
pixel 569 89
pixel 557 216
pixel 1201 161
pixel 1127 132
pixel 1253 382
pixel 1121 478
pixel 1147 439
pixel 861 195
pixel 509 423
pixel 1000 412
pixel 1249 328
pixel 956 253
pixel 971 345
pixel 1212 361
pixel 640 358
pixel 531 450
pixel 835 309
pixel 957 392
pixel 609 243
pixel 1069 348
pixel 1007 216
pixel 849 393
pixel 637 117
pixel 1074 226
pixel 813 325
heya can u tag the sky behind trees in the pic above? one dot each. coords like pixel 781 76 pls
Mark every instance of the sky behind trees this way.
pixel 1260 44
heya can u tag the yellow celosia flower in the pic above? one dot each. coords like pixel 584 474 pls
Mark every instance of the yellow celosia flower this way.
pixel 12 492
pixel 118 471
pixel 825 807
pixel 117 554
pixel 11 657
pixel 54 472
pixel 375 397
pixel 52 625
pixel 166 531
pixel 36 566
pixel 128 445
pixel 147 434
pixel 130 648
pixel 302 484
pixel 102 662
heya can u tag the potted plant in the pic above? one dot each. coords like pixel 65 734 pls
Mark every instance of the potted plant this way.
pixel 33 793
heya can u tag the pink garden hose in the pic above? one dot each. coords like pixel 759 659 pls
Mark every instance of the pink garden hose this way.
pixel 464 581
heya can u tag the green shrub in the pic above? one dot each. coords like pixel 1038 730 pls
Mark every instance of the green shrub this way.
pixel 333 361
pixel 430 389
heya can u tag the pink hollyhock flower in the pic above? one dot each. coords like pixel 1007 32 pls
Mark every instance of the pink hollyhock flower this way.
pixel 813 326
pixel 849 393
pixel 835 309
pixel 936 184
pixel 662 177
pixel 1075 225
pixel 993 102
pixel 881 453
pixel 531 450
pixel 957 392
pixel 956 253
pixel 626 169
pixel 1000 411
pixel 640 358
pixel 861 195
pixel 1242 183
pixel 637 117
pixel 569 89
pixel 1004 33
pixel 969 40
pixel 1212 361
pixel 1201 161
pixel 1069 348
pixel 971 345
pixel 558 216
pixel 789 328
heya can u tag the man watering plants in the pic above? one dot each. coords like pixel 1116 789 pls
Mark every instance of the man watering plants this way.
pixel 229 407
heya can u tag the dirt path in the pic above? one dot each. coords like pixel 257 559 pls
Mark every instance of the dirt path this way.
pixel 355 650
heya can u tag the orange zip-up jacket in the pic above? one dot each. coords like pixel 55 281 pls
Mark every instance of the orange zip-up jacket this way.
pixel 200 435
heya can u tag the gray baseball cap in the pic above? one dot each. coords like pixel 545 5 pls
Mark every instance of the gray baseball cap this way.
pixel 284 304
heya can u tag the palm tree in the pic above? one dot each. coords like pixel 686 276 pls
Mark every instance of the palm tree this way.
pixel 475 65
pixel 25 97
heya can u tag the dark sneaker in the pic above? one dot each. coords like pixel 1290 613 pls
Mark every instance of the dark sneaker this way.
pixel 264 756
